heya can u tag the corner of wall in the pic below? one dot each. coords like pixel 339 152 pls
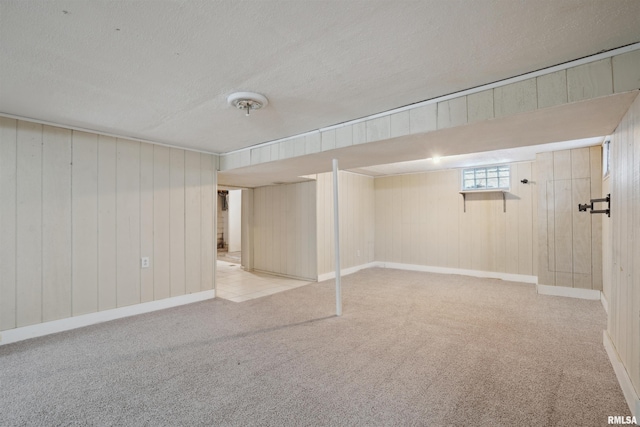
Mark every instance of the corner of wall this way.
pixel 628 390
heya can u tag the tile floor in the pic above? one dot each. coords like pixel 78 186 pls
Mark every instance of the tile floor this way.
pixel 237 285
pixel 232 257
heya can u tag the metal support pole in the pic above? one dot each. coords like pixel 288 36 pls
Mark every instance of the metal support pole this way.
pixel 336 238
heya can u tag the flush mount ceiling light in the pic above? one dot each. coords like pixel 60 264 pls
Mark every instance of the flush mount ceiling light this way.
pixel 247 101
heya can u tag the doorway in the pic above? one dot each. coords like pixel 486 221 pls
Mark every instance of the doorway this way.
pixel 235 279
pixel 229 231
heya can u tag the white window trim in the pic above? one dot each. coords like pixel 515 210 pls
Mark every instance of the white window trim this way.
pixel 485 167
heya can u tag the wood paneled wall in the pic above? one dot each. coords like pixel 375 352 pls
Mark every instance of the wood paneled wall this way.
pixel 419 219
pixel 606 245
pixel 284 230
pixel 624 300
pixel 78 212
pixel 570 242
pixel 246 229
pixel 357 206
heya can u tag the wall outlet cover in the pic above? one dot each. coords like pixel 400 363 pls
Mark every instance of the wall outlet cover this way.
pixel 144 262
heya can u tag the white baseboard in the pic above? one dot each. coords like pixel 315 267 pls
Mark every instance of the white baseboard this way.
pixel 473 273
pixel 345 271
pixel 604 302
pixel 563 291
pixel 623 377
pixel 288 276
pixel 40 329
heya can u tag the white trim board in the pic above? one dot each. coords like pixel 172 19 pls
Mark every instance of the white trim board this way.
pixel 26 332
pixel 288 276
pixel 630 395
pixel 522 278
pixel 562 291
pixel 345 271
pixel 98 132
pixel 604 302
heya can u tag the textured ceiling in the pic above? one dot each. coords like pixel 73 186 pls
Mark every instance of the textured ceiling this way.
pixel 161 70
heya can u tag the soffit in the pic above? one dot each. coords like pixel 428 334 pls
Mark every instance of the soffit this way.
pixel 569 122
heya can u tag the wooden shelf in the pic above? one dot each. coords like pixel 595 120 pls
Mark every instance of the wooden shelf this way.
pixel 492 190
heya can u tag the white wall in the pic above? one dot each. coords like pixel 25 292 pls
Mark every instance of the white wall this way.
pixel 79 210
pixel 624 256
pixel 420 220
pixel 357 220
pixel 284 230
pixel 235 220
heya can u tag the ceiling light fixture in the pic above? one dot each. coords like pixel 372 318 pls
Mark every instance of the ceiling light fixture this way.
pixel 247 101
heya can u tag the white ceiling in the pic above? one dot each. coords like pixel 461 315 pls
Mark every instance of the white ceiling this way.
pixel 162 70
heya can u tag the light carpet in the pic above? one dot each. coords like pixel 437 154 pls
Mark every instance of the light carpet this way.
pixel 411 349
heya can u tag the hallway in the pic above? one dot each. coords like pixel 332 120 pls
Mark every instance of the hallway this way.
pixel 235 284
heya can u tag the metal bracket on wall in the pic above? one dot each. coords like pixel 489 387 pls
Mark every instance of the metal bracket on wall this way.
pixel 464 198
pixel 583 208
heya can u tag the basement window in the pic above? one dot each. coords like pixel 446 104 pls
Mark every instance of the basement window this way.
pixel 486 178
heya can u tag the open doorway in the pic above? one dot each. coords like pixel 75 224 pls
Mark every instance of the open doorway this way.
pixel 229 231
pixel 236 279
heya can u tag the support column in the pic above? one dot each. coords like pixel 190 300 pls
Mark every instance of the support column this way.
pixel 336 238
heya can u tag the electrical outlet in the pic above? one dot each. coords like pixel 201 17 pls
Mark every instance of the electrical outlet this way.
pixel 144 262
pixel 358 252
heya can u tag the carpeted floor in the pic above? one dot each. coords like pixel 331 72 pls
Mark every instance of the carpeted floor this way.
pixel 411 349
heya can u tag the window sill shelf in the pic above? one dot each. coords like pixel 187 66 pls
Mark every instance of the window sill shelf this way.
pixel 493 190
